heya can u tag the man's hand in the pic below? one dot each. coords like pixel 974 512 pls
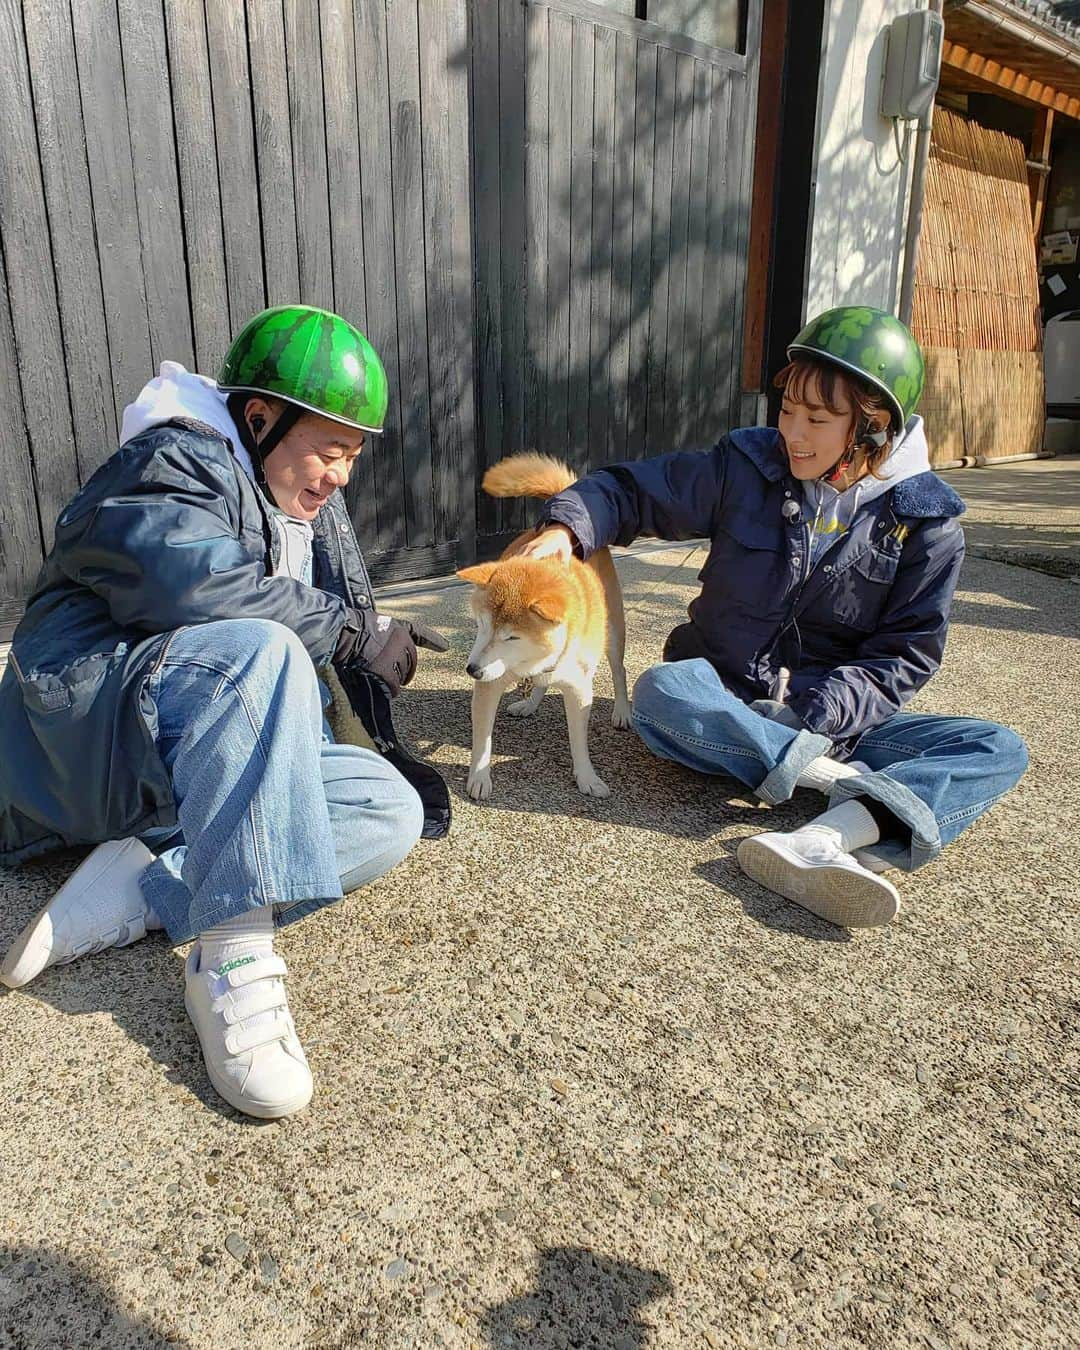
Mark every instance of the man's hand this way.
pixel 553 541
pixel 383 646
pixel 424 636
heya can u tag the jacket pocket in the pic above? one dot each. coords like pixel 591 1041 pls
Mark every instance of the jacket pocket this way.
pixel 750 534
pixel 75 687
pixel 861 591
pixel 878 565
pixel 748 570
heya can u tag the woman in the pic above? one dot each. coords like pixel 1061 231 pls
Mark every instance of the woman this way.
pixel 824 607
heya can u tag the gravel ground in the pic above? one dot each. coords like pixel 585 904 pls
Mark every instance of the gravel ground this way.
pixel 578 1081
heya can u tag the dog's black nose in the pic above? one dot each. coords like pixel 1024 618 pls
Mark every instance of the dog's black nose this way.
pixel 473 670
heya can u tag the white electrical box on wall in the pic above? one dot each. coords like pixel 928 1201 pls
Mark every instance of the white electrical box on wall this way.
pixel 912 64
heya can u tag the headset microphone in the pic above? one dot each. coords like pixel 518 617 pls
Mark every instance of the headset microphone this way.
pixel 790 511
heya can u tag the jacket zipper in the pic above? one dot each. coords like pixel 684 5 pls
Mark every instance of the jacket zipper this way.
pixel 807 539
pixel 344 569
pixel 382 745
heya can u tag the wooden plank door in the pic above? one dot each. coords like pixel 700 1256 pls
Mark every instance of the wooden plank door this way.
pixel 612 161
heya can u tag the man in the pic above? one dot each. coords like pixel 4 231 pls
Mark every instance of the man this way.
pixel 163 690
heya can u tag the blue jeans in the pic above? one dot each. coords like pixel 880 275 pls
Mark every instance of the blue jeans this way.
pixel 270 811
pixel 935 775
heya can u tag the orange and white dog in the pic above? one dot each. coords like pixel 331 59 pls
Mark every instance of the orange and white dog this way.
pixel 546 622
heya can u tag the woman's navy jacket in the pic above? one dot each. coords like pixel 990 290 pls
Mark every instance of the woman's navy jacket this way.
pixel 859 634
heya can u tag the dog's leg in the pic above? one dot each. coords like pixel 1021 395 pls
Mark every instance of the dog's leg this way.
pixel 485 704
pixel 577 699
pixel 525 707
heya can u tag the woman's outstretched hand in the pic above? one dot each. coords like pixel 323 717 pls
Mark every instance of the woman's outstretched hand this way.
pixel 554 541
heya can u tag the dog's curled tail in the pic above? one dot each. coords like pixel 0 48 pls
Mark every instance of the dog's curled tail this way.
pixel 528 475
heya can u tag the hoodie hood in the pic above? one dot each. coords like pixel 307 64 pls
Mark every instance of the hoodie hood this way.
pixel 832 512
pixel 177 392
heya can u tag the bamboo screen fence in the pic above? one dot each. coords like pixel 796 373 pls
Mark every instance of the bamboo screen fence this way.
pixel 976 306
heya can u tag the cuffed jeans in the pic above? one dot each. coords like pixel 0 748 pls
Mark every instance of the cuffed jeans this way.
pixel 270 811
pixel 934 774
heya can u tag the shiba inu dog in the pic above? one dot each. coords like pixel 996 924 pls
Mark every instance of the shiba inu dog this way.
pixel 546 622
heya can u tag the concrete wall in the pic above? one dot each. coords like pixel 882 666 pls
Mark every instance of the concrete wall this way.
pixel 860 198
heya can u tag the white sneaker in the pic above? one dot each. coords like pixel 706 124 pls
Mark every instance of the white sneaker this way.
pixel 809 867
pixel 249 1042
pixel 872 864
pixel 100 905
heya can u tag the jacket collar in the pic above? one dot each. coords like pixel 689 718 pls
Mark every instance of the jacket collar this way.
pixel 761 446
pixel 924 496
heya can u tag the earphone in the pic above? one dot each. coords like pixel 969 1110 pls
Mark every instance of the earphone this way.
pixel 875 438
pixel 865 436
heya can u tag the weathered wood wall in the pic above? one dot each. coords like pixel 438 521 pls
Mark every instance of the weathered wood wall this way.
pixel 611 173
pixel 536 209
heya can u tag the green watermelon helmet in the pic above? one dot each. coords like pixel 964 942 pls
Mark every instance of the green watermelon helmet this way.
pixel 872 344
pixel 312 358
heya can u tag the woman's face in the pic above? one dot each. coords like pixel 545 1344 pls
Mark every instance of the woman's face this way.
pixel 814 436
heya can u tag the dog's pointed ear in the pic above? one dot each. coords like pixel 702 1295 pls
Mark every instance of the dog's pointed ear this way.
pixel 550 607
pixel 479 575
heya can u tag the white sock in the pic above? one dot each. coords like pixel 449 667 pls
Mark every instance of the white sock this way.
pixel 248 936
pixel 823 772
pixel 850 823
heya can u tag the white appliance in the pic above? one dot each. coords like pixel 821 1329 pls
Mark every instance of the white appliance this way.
pixel 1061 361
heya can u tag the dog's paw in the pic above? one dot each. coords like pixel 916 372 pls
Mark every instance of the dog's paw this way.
pixel 592 785
pixel 522 707
pixel 478 785
pixel 620 715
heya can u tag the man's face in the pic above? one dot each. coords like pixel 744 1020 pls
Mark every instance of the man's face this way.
pixel 312 459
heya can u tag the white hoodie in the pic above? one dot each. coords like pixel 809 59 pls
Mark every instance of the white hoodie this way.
pixel 177 392
pixel 832 512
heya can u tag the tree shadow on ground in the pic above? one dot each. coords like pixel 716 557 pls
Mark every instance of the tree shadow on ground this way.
pixel 1019 617
pixel 50 1302
pixel 580 1299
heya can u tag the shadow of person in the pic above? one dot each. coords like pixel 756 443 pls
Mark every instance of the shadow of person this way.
pixel 141 987
pixel 764 906
pixel 49 1302
pixel 581 1299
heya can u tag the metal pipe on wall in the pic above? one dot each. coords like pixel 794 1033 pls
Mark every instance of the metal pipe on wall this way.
pixel 915 205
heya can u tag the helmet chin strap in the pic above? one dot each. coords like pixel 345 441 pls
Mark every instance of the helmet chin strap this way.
pixel 287 419
pixel 874 440
pixel 259 445
pixel 839 468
